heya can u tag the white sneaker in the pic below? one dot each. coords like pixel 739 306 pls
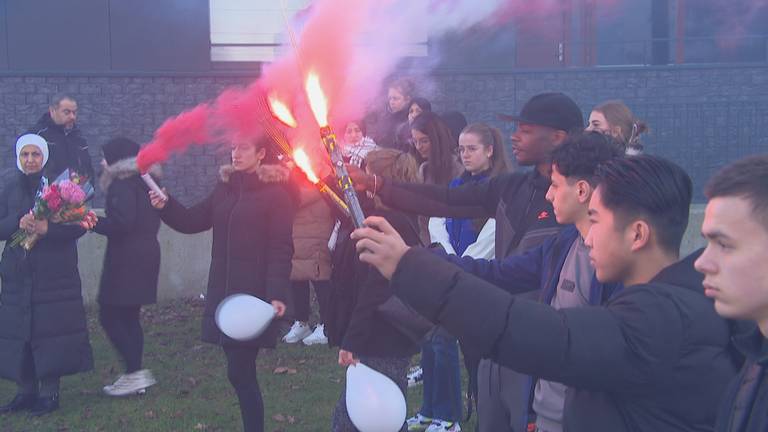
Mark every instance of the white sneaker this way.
pixel 132 383
pixel 415 376
pixel 443 426
pixel 298 332
pixel 418 423
pixel 317 337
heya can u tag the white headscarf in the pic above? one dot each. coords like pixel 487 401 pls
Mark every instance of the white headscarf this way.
pixel 31 139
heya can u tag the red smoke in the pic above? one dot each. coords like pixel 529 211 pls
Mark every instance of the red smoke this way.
pixel 175 135
pixel 352 45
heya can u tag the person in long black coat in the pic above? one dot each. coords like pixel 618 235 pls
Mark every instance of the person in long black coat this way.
pixel 356 324
pixel 43 333
pixel 131 263
pixel 251 212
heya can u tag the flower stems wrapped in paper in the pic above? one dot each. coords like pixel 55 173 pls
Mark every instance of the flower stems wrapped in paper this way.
pixel 63 202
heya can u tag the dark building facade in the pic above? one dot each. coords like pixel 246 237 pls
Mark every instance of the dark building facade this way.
pixel 704 95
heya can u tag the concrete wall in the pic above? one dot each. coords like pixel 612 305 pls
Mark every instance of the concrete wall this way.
pixel 186 258
pixel 183 267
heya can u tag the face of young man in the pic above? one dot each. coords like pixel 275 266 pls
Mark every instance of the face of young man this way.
pixel 735 262
pixel 610 242
pixel 564 195
pixel 532 144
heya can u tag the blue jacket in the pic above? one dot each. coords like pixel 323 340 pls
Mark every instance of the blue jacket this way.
pixel 537 272
pixel 461 231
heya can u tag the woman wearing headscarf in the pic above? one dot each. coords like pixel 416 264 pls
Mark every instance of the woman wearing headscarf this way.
pixel 131 263
pixel 43 333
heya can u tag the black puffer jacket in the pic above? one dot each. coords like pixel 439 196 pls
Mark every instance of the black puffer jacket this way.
pixel 354 323
pixel 132 260
pixel 656 357
pixel 67 148
pixel 41 302
pixel 252 220
pixel 745 404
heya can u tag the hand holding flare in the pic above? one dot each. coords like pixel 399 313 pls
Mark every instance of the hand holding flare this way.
pixel 380 245
pixel 319 105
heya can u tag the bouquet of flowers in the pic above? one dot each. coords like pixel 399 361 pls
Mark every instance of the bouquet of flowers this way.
pixel 63 201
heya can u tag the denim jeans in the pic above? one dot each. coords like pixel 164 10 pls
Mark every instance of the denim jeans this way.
pixel 442 377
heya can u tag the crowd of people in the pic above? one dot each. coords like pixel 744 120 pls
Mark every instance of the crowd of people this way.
pixel 561 284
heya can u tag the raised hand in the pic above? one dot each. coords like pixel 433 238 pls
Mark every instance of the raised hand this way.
pixel 380 245
pixel 360 179
pixel 158 201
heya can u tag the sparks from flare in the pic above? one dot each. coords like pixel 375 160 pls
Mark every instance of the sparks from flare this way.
pixel 302 161
pixel 317 100
pixel 282 112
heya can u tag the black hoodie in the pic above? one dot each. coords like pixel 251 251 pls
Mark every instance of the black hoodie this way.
pixel 656 357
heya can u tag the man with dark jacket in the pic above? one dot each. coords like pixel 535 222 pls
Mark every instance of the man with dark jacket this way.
pixel 524 217
pixel 68 148
pixel 736 277
pixel 559 269
pixel 655 357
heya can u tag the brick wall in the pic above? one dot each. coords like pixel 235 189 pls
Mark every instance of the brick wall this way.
pixel 700 117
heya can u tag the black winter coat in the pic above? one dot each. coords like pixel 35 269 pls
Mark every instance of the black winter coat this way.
pixel 745 405
pixel 252 220
pixel 357 289
pixel 66 149
pixel 132 260
pixel 656 357
pixel 41 302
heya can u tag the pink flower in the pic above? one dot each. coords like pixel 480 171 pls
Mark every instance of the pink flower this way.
pixel 53 202
pixel 71 192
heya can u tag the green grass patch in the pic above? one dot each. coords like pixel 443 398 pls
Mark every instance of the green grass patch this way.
pixel 192 393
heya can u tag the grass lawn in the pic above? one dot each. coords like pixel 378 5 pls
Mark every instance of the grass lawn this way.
pixel 192 393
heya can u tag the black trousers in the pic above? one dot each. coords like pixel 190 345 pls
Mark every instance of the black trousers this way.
pixel 122 326
pixel 300 298
pixel 241 372
pixel 30 383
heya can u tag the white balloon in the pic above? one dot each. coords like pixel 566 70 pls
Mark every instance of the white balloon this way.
pixel 243 317
pixel 374 402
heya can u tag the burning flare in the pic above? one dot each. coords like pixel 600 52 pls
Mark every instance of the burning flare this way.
pixel 302 161
pixel 317 100
pixel 281 111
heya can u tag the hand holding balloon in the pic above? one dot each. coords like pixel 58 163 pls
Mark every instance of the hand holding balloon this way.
pixel 244 317
pixel 279 308
pixel 346 358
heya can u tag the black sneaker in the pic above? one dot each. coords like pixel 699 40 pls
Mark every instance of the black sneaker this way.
pixel 45 405
pixel 20 402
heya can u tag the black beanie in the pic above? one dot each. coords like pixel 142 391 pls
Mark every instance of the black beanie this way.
pixel 119 148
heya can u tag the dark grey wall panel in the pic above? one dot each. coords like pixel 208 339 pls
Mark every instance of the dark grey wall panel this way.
pixel 45 35
pixel 3 38
pixel 160 35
